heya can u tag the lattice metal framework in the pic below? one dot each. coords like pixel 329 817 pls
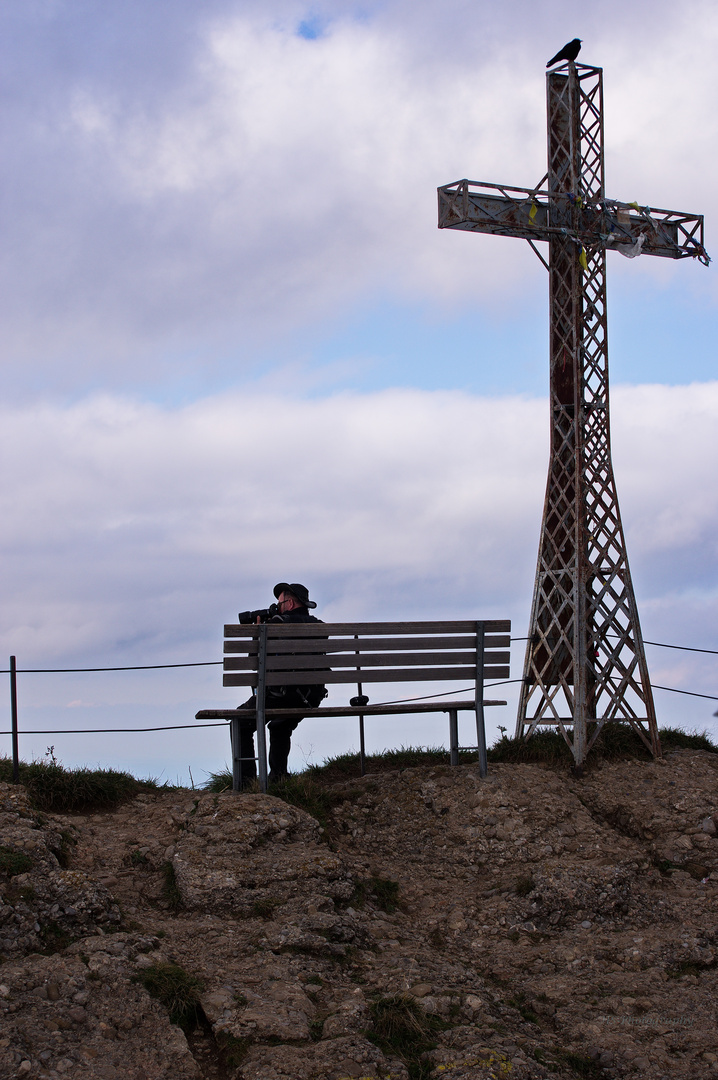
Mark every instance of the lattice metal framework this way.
pixel 585 662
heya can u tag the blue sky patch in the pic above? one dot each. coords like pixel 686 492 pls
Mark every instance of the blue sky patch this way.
pixel 312 27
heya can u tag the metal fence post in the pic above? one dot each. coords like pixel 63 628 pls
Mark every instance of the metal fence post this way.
pixel 13 712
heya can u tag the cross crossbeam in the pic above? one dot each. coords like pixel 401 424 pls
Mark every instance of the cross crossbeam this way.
pixel 585 663
pixel 527 213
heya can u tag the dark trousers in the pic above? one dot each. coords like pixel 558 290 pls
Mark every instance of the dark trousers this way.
pixel 280 741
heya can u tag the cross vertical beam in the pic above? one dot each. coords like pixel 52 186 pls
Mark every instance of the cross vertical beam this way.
pixel 585 662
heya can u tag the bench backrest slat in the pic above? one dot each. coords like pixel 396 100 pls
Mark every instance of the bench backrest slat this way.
pixel 308 678
pixel 361 662
pixel 350 644
pixel 496 626
pixel 305 654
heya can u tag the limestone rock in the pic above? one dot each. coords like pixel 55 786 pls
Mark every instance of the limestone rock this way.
pixel 536 920
pixel 338 1059
pixel 118 1031
pixel 46 905
pixel 242 855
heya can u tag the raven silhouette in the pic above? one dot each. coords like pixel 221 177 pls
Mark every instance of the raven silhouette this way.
pixel 568 52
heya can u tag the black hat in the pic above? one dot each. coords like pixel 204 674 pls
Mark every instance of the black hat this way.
pixel 301 592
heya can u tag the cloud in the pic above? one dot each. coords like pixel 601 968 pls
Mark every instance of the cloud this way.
pixel 126 508
pixel 135 527
pixel 131 532
pixel 669 481
pixel 170 224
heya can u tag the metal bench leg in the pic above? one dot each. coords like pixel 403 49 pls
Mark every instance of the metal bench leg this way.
pixel 454 736
pixel 261 748
pixel 362 748
pixel 261 728
pixel 481 743
pixel 479 701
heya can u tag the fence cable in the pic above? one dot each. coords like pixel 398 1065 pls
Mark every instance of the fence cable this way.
pixel 136 667
pixel 684 648
pixel 691 693
pixel 398 701
pixel 106 730
pixel 215 663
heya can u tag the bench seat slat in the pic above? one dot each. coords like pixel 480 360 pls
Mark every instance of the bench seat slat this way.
pixel 362 663
pixel 345 710
pixel 497 626
pixel 313 678
pixel 338 645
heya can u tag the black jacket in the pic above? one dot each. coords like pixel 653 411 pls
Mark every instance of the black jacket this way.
pixel 295 697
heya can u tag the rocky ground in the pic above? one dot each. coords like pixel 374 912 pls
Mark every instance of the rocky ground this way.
pixel 547 926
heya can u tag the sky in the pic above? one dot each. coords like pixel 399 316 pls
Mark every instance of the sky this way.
pixel 236 349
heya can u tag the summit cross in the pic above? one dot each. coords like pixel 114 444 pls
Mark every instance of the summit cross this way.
pixel 585 663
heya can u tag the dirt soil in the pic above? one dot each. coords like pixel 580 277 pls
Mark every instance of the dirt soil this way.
pixel 551 926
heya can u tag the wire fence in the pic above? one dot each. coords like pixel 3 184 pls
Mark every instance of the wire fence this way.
pixel 13 671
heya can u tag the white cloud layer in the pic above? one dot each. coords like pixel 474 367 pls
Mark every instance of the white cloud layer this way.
pixel 164 223
pixel 131 532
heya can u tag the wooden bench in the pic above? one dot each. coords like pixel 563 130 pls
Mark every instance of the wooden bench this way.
pixel 305 654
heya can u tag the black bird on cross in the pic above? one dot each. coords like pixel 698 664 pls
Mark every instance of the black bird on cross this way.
pixel 569 52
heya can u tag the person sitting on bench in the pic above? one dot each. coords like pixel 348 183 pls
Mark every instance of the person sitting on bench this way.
pixel 293 606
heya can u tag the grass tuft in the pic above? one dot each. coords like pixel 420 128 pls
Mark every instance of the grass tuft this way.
pixel 581 1065
pixel 348 766
pixel 616 742
pixel 219 781
pixel 437 939
pixel 524 885
pixel 54 938
pixel 519 1002
pixel 675 739
pixel 547 747
pixel 315 1029
pixel 402 1029
pixel 170 888
pixel 232 1050
pixel 63 851
pixel 264 909
pixel 383 892
pixel 689 967
pixel 14 862
pixel 306 792
pixel 177 990
pixel 53 788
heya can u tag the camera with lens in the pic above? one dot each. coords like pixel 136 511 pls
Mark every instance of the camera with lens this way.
pixel 263 614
